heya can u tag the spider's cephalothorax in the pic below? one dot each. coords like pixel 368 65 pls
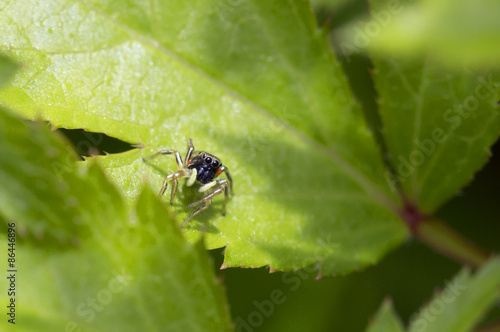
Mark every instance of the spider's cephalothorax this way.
pixel 207 167
pixel 203 168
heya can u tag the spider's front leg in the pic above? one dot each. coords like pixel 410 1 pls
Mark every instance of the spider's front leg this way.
pixel 178 158
pixel 183 173
pixel 189 153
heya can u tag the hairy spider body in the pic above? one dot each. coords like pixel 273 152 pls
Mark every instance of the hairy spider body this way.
pixel 202 168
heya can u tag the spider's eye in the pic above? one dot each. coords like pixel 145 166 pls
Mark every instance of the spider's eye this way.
pixel 215 163
pixel 208 160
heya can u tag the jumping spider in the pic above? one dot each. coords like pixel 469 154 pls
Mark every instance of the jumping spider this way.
pixel 204 168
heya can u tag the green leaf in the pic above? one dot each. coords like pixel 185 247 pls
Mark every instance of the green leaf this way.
pixel 438 124
pixel 452 31
pixel 255 83
pixel 451 119
pixel 386 320
pixel 463 302
pixel 121 272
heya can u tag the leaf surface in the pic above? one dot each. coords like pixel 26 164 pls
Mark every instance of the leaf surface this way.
pixel 257 85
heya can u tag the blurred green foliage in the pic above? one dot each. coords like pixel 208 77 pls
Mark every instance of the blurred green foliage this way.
pixel 456 32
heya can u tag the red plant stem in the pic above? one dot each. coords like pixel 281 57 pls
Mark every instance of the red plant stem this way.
pixel 443 238
pixel 448 242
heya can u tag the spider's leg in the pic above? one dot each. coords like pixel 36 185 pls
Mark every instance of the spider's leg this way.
pixel 229 178
pixel 220 187
pixel 197 211
pixel 213 189
pixel 163 187
pixel 178 158
pixel 183 173
pixel 173 177
pixel 174 190
pixel 189 153
pixel 226 197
